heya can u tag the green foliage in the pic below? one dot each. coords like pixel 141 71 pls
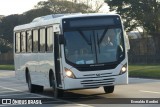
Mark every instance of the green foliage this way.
pixel 6 67
pixel 145 71
pixel 64 6
pixel 7 24
pixel 135 13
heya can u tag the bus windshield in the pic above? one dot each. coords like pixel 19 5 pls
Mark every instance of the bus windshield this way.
pixel 94 46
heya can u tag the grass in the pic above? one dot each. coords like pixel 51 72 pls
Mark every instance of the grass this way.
pixel 6 67
pixel 145 71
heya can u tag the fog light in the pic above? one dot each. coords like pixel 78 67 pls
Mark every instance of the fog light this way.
pixel 69 73
pixel 123 69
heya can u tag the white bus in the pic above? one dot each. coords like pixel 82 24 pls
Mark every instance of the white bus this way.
pixel 71 51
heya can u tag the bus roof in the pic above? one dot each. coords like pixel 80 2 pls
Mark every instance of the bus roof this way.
pixel 55 18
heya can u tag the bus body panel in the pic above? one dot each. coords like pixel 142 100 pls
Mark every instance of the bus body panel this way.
pixel 38 66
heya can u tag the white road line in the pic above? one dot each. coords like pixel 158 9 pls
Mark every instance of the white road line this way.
pixel 149 92
pixel 1 91
pixel 4 105
pixel 10 89
pixel 15 90
pixel 17 94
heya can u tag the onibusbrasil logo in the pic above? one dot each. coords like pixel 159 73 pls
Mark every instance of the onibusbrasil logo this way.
pixel 19 101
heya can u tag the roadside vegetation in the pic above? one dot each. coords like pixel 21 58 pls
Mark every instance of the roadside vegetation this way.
pixel 144 71
pixel 140 71
pixel 6 67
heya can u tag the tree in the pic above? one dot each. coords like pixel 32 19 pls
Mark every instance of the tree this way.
pixel 145 13
pixel 95 5
pixel 6 27
pixel 4 46
pixel 63 6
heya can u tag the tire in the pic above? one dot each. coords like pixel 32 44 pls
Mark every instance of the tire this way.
pixel 31 87
pixel 108 89
pixel 57 93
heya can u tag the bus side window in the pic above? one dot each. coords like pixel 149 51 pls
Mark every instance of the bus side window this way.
pixel 29 41
pixel 23 41
pixel 49 39
pixel 35 40
pixel 17 42
pixel 42 40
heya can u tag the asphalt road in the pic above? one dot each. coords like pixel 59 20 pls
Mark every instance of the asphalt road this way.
pixel 137 89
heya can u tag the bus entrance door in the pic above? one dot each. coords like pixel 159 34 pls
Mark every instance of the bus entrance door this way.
pixel 57 55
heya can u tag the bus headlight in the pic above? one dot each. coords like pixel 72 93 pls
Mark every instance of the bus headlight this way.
pixel 123 69
pixel 69 73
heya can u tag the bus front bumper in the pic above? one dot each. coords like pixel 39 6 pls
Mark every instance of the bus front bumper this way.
pixel 84 83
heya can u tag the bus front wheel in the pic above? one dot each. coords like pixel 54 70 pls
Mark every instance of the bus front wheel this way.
pixel 108 89
pixel 57 92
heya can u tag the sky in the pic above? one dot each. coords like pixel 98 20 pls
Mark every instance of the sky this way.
pixel 8 7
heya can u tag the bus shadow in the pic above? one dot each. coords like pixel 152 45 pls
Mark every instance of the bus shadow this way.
pixel 84 97
pixel 72 94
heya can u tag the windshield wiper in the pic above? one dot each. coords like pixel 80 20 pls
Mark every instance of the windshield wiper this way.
pixel 98 43
pixel 84 37
pixel 87 41
pixel 91 44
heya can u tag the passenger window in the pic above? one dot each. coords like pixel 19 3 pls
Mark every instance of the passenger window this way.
pixel 29 41
pixel 23 41
pixel 17 38
pixel 50 39
pixel 35 41
pixel 42 40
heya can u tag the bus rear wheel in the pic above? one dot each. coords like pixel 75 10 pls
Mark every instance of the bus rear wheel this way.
pixel 33 88
pixel 56 92
pixel 108 89
pixel 30 86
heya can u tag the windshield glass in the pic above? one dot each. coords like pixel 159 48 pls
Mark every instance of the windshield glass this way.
pixel 96 46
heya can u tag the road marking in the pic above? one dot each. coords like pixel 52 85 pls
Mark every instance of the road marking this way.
pixel 1 92
pixel 154 92
pixel 15 90
pixel 16 94
pixel 9 88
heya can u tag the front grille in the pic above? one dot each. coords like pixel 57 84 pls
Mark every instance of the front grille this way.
pixel 97 75
pixel 98 82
